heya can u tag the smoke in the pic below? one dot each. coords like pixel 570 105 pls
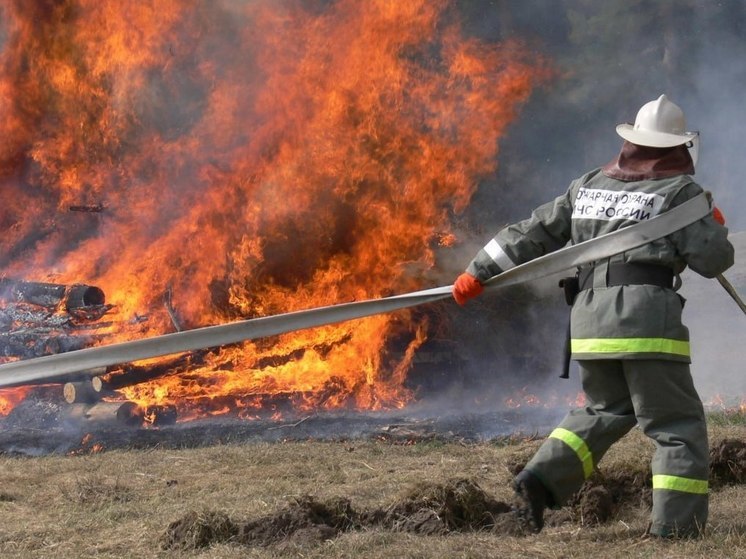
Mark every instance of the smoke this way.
pixel 252 158
pixel 613 57
pixel 609 59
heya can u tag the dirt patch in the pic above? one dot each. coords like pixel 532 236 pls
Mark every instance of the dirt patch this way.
pixel 303 521
pixel 199 529
pixel 596 506
pixel 306 520
pixel 603 497
pixel 459 505
pixel 456 506
pixel 728 462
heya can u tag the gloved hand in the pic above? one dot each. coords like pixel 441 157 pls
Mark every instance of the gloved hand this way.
pixel 466 287
pixel 718 215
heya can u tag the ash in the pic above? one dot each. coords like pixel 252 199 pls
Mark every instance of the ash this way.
pixel 40 427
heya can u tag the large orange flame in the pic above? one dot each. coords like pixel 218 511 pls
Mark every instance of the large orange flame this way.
pixel 252 158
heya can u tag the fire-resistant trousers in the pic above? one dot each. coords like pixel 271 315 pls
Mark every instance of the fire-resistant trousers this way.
pixel 660 397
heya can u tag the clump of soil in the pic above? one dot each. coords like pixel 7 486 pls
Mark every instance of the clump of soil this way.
pixel 306 520
pixel 596 506
pixel 303 521
pixel 459 505
pixel 199 529
pixel 728 462
pixel 603 496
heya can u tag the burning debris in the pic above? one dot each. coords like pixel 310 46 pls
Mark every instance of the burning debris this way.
pixel 215 161
pixel 40 319
pixel 249 167
pixel 45 318
pixel 90 208
pixel 104 414
pixel 49 295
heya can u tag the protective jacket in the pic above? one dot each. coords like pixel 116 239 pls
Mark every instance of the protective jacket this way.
pixel 622 321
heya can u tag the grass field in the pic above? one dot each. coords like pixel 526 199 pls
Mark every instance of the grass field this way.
pixel 121 503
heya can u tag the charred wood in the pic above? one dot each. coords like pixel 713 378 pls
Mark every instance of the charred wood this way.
pixel 130 375
pixel 91 313
pixel 158 416
pixel 279 360
pixel 87 208
pixel 132 414
pixel 51 295
pixel 123 413
pixel 168 304
pixel 18 316
pixel 38 342
pixel 82 296
pixel 103 412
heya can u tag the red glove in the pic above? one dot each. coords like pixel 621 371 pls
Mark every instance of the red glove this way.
pixel 466 287
pixel 718 215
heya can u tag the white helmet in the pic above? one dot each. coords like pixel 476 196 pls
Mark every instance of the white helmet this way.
pixel 659 124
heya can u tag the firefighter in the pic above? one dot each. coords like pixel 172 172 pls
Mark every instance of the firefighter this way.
pixel 626 332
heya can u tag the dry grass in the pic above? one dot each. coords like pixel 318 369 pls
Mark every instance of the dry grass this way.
pixel 119 504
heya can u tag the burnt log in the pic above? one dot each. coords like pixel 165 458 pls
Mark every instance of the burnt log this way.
pixel 39 342
pixel 17 317
pixel 52 295
pixel 131 414
pixel 130 375
pixel 159 415
pixel 168 304
pixel 103 413
pixel 123 413
pixel 87 208
pixel 83 391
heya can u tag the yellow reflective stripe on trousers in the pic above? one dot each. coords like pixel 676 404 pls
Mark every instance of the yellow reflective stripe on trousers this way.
pixel 578 445
pixel 630 345
pixel 676 483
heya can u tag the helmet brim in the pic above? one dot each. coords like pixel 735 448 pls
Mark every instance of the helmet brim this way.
pixel 651 138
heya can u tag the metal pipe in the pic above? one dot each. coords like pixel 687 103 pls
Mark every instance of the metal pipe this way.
pixel 728 286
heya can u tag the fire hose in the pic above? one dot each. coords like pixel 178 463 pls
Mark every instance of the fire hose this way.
pixel 55 367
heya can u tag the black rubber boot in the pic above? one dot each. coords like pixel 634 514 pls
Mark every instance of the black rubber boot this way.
pixel 532 500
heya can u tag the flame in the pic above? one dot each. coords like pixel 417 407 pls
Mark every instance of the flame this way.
pixel 87 446
pixel 524 398
pixel 10 397
pixel 731 403
pixel 250 158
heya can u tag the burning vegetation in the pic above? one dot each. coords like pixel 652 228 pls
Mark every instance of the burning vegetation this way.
pixel 202 162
